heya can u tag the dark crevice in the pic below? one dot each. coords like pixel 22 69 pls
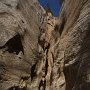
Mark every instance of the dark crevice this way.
pixel 18 6
pixel 56 28
pixel 16 88
pixel 71 75
pixel 46 67
pixel 62 26
pixel 13 88
pixel 42 85
pixel 51 78
pixel 33 72
pixel 25 78
pixel 47 47
pixel 14 45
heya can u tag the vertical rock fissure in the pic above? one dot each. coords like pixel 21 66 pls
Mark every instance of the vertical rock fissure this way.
pixel 47 40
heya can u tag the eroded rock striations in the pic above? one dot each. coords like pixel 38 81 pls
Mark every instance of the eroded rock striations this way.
pixel 19 31
pixel 74 45
pixel 41 52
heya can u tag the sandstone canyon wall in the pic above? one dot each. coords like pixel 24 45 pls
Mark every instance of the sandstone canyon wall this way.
pixel 42 52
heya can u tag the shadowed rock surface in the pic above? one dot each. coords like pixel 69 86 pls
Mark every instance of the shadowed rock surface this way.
pixel 74 43
pixel 42 52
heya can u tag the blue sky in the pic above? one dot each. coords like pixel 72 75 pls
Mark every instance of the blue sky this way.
pixel 54 5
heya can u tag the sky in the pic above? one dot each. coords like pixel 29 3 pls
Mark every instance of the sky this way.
pixel 53 4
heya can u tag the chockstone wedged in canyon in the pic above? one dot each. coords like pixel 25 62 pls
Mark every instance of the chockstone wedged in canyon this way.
pixel 41 52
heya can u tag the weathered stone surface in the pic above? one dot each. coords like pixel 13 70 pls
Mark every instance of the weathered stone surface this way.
pixel 74 42
pixel 41 52
pixel 19 31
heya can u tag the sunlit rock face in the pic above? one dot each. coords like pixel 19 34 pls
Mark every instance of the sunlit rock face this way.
pixel 41 52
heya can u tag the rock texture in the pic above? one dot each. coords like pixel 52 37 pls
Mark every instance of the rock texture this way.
pixel 41 52
pixel 19 31
pixel 74 45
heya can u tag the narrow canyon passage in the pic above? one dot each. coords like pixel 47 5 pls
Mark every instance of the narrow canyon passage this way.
pixel 39 51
